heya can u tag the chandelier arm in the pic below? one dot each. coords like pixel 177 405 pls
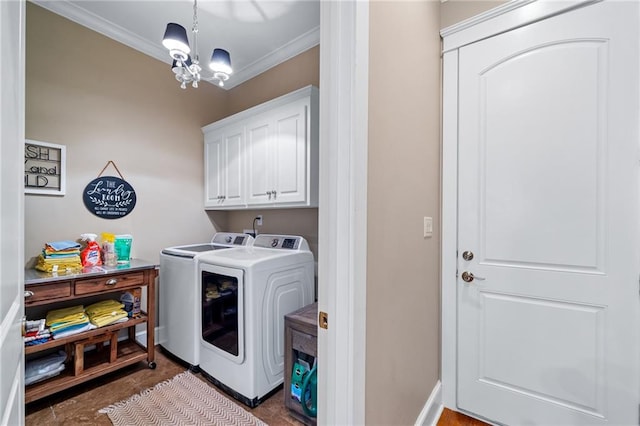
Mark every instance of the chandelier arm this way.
pixel 187 69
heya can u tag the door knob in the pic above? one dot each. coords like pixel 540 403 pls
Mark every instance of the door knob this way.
pixel 469 277
pixel 467 255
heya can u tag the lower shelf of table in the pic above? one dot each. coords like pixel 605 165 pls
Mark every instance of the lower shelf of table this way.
pixel 96 364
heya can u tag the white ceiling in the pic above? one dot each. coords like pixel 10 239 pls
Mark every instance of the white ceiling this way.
pixel 258 34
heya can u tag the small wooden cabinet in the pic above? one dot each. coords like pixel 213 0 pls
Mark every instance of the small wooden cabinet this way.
pixel 46 289
pixel 300 336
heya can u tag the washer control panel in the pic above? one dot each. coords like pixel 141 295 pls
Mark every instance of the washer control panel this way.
pixel 281 242
pixel 232 239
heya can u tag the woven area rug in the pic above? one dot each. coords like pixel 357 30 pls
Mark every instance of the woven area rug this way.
pixel 182 400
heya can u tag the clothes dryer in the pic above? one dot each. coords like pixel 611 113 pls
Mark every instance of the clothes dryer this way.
pixel 245 294
pixel 178 294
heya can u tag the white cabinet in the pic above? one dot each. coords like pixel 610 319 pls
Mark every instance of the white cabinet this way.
pixel 224 167
pixel 277 151
pixel 266 156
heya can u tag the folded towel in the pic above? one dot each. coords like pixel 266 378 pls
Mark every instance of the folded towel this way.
pixel 36 342
pixel 37 325
pixel 60 326
pixel 71 264
pixel 38 337
pixel 56 315
pixel 108 319
pixel 62 245
pixel 103 307
pixel 75 329
pixel 60 255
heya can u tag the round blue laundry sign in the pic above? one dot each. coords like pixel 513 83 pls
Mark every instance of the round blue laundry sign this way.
pixel 109 197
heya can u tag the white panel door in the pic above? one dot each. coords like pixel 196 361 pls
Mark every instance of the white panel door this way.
pixel 224 168
pixel 548 205
pixel 213 169
pixel 259 135
pixel 233 167
pixel 12 51
pixel 290 153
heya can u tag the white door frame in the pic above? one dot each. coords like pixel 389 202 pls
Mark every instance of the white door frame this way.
pixel 342 213
pixel 495 21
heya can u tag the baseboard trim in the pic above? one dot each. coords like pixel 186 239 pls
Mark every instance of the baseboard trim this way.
pixel 432 410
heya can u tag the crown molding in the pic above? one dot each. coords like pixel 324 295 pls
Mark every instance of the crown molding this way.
pixel 296 46
pixel 96 23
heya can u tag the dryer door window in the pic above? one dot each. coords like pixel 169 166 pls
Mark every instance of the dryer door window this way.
pixel 221 312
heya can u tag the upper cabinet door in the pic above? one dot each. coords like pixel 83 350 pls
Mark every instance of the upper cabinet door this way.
pixel 233 167
pixel 224 186
pixel 258 159
pixel 213 169
pixel 290 154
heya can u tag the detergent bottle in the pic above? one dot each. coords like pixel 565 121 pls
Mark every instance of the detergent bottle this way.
pixel 90 255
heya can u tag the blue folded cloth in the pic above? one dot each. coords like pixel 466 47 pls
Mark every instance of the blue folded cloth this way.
pixel 63 245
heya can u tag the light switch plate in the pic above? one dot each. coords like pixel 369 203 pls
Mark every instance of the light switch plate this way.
pixel 428 227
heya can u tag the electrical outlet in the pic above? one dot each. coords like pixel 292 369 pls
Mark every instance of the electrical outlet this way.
pixel 259 221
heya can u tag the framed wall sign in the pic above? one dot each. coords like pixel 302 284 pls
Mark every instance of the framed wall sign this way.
pixel 44 168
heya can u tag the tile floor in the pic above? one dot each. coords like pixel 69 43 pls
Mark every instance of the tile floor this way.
pixel 80 405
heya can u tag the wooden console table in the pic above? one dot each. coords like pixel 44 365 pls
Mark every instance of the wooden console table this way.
pixel 46 289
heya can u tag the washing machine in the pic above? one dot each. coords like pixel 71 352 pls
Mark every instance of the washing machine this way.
pixel 179 295
pixel 245 294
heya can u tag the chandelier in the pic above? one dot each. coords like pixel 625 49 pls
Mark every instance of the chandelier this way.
pixel 186 68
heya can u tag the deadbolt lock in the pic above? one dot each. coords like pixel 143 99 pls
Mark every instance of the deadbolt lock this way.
pixel 323 320
pixel 467 255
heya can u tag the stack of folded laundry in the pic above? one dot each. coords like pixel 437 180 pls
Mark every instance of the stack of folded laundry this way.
pixel 36 332
pixel 60 256
pixel 43 368
pixel 68 321
pixel 106 312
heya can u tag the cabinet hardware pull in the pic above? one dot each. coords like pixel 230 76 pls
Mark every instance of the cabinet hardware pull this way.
pixel 274 194
pixel 28 293
pixel 111 281
pixel 269 194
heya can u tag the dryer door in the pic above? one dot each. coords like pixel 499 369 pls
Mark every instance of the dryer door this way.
pixel 222 297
